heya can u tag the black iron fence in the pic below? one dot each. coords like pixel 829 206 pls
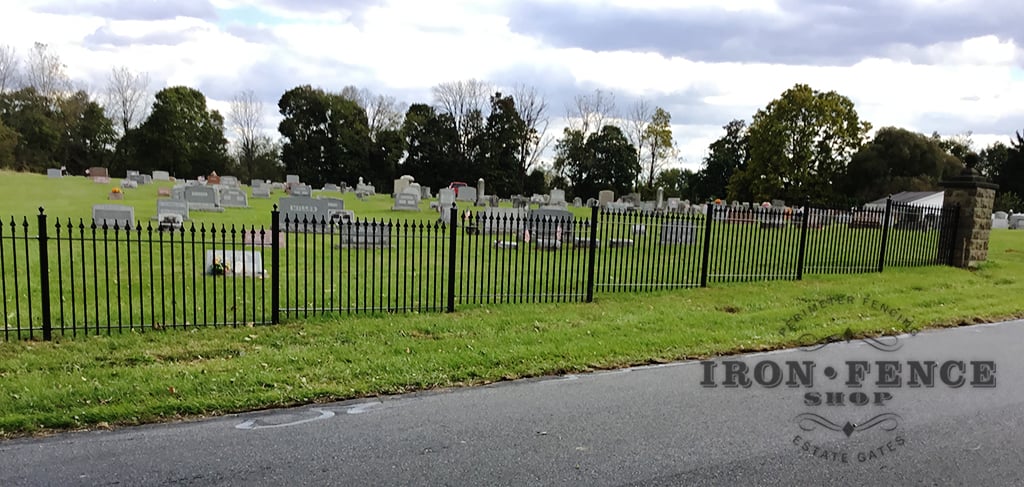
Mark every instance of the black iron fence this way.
pixel 70 278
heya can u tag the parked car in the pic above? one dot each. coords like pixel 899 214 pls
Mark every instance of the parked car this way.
pixel 455 185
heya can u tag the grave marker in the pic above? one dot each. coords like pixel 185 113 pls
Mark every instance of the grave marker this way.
pixel 175 207
pixel 239 263
pixel 202 198
pixel 121 215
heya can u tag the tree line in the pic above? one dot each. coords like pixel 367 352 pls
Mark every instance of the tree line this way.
pixel 805 145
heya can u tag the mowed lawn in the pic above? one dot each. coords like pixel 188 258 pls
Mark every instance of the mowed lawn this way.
pixel 135 378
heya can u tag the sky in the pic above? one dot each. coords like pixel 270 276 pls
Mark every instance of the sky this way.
pixel 949 66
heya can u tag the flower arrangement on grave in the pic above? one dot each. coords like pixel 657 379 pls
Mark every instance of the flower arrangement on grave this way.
pixel 115 190
pixel 219 268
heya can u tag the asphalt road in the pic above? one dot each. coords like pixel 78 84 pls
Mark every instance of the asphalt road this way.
pixel 648 426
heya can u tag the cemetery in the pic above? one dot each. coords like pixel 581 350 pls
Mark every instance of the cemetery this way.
pixel 543 245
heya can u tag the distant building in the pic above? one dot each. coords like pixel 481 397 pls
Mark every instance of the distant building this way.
pixel 914 209
pixel 916 198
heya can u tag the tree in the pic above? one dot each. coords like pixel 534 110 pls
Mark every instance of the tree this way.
pixel 465 101
pixel 726 156
pixel 327 138
pixel 246 119
pixel 8 68
pixel 897 160
pixel 635 126
pixel 800 145
pixel 499 147
pixel 992 160
pixel 45 73
pixel 180 135
pixel 657 137
pixel 8 144
pixel 958 145
pixel 602 160
pixel 432 147
pixel 589 113
pixel 532 108
pixel 126 97
pixel 88 135
pixel 679 183
pixel 35 120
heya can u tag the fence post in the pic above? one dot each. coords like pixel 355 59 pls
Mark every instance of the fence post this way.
pixel 803 242
pixel 592 252
pixel 709 216
pixel 44 276
pixel 885 232
pixel 453 223
pixel 275 266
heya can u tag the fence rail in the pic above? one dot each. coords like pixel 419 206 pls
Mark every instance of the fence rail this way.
pixel 76 278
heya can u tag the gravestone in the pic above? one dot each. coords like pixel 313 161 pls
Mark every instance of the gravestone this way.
pixel 406 202
pixel 620 242
pixel 202 198
pixel 161 176
pixel 577 202
pixel 617 207
pixel 168 222
pixel 591 202
pixel 673 204
pixel 481 193
pixel 520 202
pixel 400 185
pixel 232 197
pixel 605 197
pixel 163 192
pixel 300 213
pixel 1000 221
pixel 213 178
pixel 257 183
pixel 1016 221
pixel 557 198
pixel 129 184
pixel 121 215
pixel 364 235
pixel 302 190
pixel 549 226
pixel 334 188
pixel 262 192
pixel 264 239
pixel 468 194
pixel 230 181
pixel 661 199
pixel 501 220
pixel 239 262
pixel 277 186
pixel 178 192
pixel 175 207
pixel 291 179
pixel 425 193
pixel 54 173
pixel 115 195
pixel 678 232
pixel 632 198
pixel 131 173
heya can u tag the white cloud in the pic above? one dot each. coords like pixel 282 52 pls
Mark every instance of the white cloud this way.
pixel 404 47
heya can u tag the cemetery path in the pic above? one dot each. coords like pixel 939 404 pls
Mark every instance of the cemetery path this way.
pixel 648 426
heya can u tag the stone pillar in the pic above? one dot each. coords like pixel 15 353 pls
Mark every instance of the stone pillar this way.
pixel 975 194
pixel 480 191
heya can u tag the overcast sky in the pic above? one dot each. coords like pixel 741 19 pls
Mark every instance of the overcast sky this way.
pixel 950 66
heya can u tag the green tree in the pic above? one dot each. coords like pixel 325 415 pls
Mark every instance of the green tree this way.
pixel 8 144
pixel 500 148
pixel 34 119
pixel 327 138
pixel 606 160
pixel 660 146
pixel 992 159
pixel 432 147
pixel 679 183
pixel 88 135
pixel 800 145
pixel 897 160
pixel 727 155
pixel 180 136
